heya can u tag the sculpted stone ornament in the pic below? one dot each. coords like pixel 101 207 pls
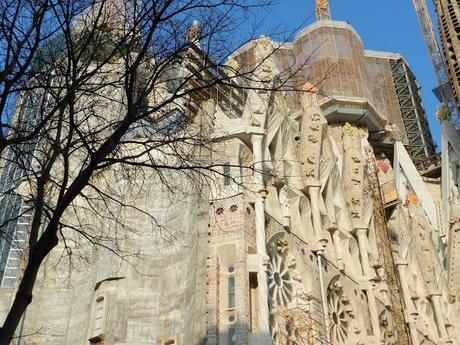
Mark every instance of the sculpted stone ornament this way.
pixel 393 132
pixel 387 328
pixel 340 313
pixel 311 136
pixel 263 76
pixel 349 130
pixel 232 67
pixel 194 32
pixel 284 202
pixel 353 169
pixel 442 113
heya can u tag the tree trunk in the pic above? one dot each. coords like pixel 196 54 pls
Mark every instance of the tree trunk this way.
pixel 22 299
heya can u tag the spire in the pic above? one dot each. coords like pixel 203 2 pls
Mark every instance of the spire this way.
pixel 322 10
pixel 194 32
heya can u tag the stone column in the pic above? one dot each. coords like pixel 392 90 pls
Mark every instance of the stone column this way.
pixel 411 312
pixel 335 235
pixel 439 316
pixel 368 274
pixel 313 191
pixel 321 241
pixel 374 314
pixel 363 252
pixel 257 140
pixel 401 267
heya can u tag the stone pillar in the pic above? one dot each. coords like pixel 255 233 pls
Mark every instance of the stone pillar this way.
pixel 368 274
pixel 257 140
pixel 411 312
pixel 439 316
pixel 313 191
pixel 401 267
pixel 374 314
pixel 363 252
pixel 335 235
pixel 321 241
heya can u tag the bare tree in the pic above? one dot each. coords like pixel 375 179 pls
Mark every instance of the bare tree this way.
pixel 105 85
pixel 25 26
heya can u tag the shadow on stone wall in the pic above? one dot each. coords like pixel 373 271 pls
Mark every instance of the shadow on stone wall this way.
pixel 241 336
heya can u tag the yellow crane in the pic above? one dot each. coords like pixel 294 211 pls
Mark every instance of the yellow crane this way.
pixel 322 10
pixel 437 58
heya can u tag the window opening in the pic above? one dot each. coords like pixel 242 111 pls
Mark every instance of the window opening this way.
pixel 232 336
pixel 231 292
pixel 227 174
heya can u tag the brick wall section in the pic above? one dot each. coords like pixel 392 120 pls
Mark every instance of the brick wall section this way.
pixel 231 221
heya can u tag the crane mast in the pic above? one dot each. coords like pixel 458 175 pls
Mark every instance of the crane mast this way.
pixel 322 10
pixel 437 59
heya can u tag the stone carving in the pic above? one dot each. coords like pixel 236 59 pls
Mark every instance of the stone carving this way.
pixel 284 202
pixel 387 328
pixel 232 67
pixel 194 32
pixel 311 134
pixel 354 171
pixel 285 289
pixel 281 275
pixel 340 312
pixel 442 113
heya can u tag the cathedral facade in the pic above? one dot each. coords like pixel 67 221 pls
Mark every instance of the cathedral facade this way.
pixel 332 233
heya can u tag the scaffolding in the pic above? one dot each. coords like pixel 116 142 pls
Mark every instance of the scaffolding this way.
pixel 15 212
pixel 300 323
pixel 420 142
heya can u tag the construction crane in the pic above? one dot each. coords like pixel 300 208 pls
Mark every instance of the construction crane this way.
pixel 322 10
pixel 440 70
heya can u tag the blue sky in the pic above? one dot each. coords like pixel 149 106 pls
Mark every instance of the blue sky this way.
pixel 389 25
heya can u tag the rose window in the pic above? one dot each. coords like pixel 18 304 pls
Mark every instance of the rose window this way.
pixel 280 284
pixel 338 312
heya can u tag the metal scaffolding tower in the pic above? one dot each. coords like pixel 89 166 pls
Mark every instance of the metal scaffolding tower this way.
pixel 420 142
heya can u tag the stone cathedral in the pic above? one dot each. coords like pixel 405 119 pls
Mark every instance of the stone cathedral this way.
pixel 337 236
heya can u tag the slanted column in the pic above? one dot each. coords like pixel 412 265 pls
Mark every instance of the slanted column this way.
pixel 257 140
pixel 372 304
pixel 368 274
pixel 335 235
pixel 401 267
pixel 411 312
pixel 439 316
pixel 313 191
pixel 363 252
